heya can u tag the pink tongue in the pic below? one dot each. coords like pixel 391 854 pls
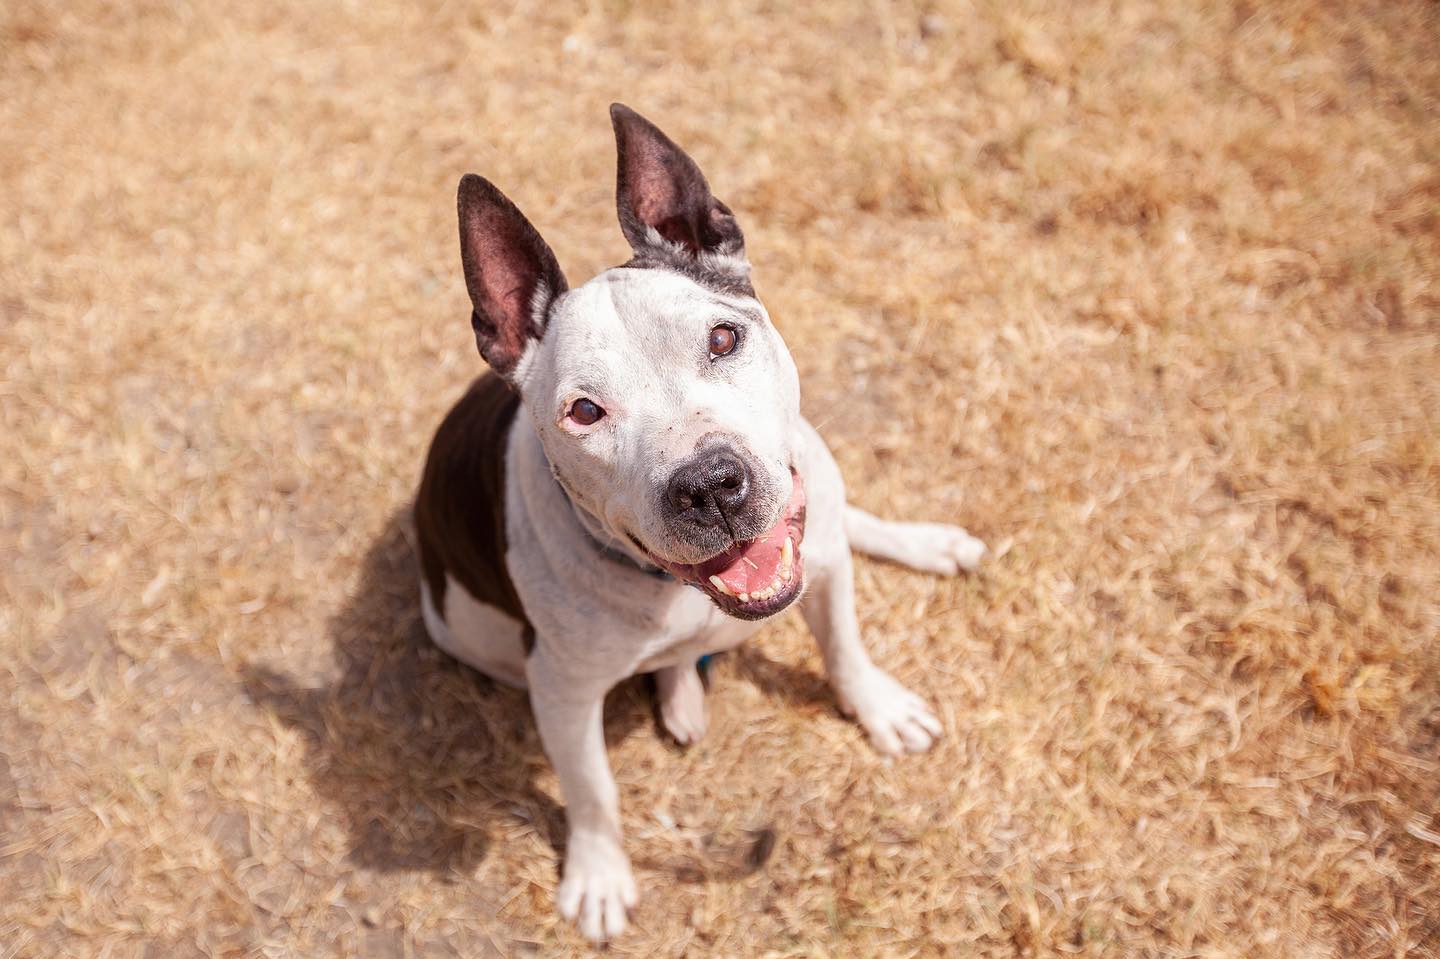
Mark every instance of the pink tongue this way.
pixel 756 564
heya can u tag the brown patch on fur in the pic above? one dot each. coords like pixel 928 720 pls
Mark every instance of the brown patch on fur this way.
pixel 460 509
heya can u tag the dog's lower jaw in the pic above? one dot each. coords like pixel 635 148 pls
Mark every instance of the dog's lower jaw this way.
pixel 598 888
pixel 776 568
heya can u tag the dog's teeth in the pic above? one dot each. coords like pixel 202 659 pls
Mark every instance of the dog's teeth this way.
pixel 719 584
pixel 744 597
pixel 776 586
pixel 787 553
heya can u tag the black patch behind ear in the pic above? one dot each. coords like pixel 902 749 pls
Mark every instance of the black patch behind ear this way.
pixel 510 271
pixel 659 187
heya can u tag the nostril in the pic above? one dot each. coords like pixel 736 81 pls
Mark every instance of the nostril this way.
pixel 708 488
pixel 732 484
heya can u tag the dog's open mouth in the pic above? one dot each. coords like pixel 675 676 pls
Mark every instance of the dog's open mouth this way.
pixel 757 577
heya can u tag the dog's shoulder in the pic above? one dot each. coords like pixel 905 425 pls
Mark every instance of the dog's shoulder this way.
pixel 460 508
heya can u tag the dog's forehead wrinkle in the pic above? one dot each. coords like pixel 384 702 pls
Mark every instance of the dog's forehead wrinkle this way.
pixel 725 271
pixel 659 295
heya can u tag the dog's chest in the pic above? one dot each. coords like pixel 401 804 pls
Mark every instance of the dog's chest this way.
pixel 694 630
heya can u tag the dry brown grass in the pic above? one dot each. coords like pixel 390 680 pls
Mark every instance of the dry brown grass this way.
pixel 1146 293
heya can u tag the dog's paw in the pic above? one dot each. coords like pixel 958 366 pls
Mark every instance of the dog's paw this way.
pixel 897 720
pixel 598 888
pixel 943 549
pixel 682 703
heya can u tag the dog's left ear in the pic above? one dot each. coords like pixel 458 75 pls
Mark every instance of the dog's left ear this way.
pixel 661 194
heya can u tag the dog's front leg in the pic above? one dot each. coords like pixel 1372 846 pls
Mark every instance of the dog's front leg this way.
pixel 897 720
pixel 597 887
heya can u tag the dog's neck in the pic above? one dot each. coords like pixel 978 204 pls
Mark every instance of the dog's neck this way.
pixel 605 544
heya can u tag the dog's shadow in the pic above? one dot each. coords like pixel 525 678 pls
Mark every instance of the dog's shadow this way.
pixel 422 756
pixel 417 752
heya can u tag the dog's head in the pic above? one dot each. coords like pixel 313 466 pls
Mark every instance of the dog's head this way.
pixel 666 401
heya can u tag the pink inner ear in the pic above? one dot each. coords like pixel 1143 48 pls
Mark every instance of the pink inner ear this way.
pixel 654 194
pixel 504 273
pixel 509 277
pixel 664 190
pixel 505 262
pixel 655 208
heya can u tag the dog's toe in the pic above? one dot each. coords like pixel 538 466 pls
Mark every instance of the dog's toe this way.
pixel 597 890
pixel 953 550
pixel 897 720
pixel 943 549
pixel 966 550
pixel 915 736
pixel 686 725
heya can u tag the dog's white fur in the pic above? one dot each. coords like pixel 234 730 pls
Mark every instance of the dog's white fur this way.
pixel 598 623
pixel 585 518
pixel 629 338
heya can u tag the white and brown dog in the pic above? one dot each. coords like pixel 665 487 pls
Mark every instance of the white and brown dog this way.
pixel 633 487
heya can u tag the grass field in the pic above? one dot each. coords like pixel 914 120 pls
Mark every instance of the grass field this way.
pixel 1145 294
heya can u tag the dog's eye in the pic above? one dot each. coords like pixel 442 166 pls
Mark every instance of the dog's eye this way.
pixel 722 340
pixel 586 412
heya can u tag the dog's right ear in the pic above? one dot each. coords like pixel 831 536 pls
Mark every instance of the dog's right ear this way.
pixel 510 272
pixel 661 195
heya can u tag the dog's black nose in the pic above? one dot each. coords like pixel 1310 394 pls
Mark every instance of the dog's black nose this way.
pixel 710 487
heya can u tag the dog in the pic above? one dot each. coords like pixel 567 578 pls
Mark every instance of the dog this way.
pixel 632 487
